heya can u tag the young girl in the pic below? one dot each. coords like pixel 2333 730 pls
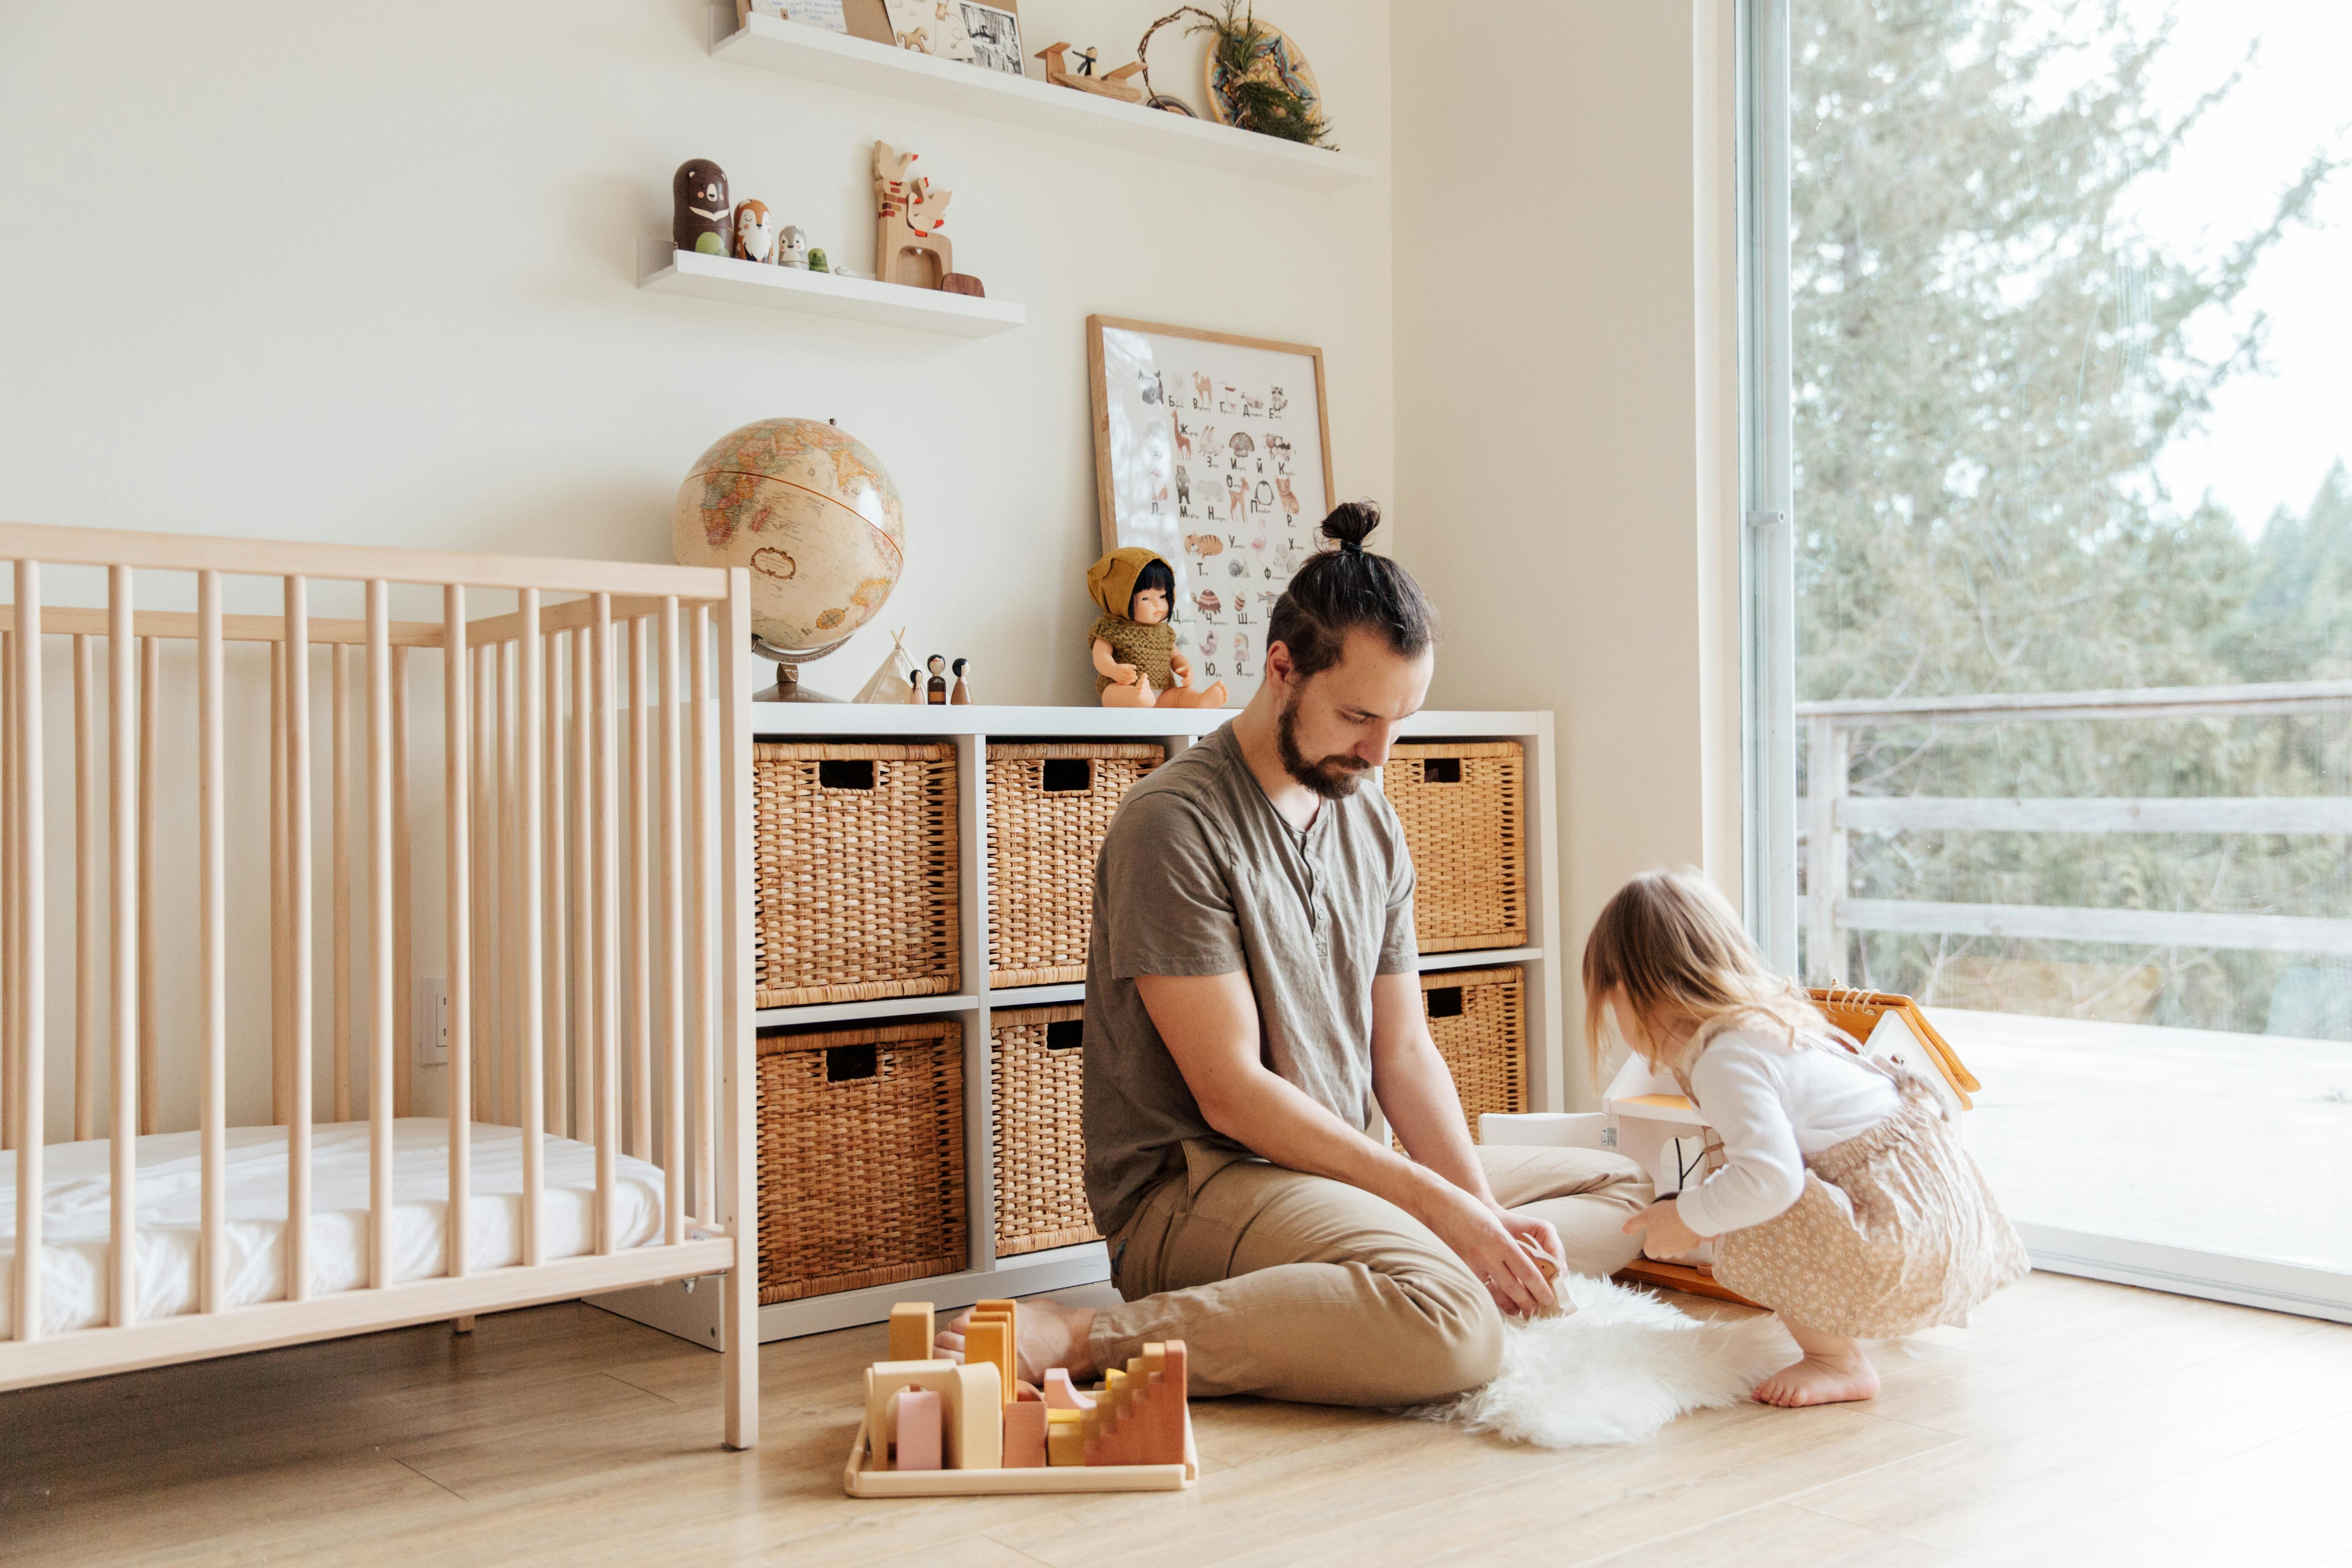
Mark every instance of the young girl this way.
pixel 1838 1196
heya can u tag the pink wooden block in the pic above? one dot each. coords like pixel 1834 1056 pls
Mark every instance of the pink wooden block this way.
pixel 1024 1436
pixel 919 1430
pixel 1061 1394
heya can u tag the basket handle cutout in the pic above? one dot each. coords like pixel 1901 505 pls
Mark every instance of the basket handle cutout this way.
pixel 1445 1002
pixel 842 774
pixel 1067 1035
pixel 1064 775
pixel 846 1064
pixel 1440 770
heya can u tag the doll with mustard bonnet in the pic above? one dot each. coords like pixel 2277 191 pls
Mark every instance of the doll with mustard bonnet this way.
pixel 1132 644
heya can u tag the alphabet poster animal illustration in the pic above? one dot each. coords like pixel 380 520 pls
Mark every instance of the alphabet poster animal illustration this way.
pixel 1214 451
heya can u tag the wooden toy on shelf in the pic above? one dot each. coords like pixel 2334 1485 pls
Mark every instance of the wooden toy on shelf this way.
pixel 816 259
pixel 698 214
pixel 754 241
pixel 962 693
pixel 909 214
pixel 1110 84
pixel 792 246
pixel 936 688
pixel 963 283
pixel 937 1429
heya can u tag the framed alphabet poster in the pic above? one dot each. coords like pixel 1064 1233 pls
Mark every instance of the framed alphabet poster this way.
pixel 1215 452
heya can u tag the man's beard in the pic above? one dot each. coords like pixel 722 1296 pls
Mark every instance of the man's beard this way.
pixel 1333 778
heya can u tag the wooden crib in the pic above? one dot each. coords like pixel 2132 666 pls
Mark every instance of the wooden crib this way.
pixel 243 1168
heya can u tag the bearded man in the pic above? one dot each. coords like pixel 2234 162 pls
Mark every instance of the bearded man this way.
pixel 1252 995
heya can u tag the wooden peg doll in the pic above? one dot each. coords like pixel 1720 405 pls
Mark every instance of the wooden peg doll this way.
pixel 962 695
pixel 937 684
pixel 1132 646
pixel 699 216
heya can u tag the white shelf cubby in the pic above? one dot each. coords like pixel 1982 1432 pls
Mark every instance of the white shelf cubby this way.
pixel 693 1315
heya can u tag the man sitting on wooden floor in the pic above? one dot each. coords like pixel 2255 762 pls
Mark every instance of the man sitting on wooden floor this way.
pixel 1252 994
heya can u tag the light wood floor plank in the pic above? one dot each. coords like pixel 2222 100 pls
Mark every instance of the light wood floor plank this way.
pixel 564 1435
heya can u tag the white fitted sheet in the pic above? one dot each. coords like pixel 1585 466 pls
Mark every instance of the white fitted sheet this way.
pixel 74 1248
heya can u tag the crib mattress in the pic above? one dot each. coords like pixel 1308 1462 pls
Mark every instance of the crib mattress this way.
pixel 74 1248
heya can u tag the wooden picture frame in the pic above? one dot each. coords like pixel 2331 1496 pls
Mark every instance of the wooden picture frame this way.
pixel 1235 419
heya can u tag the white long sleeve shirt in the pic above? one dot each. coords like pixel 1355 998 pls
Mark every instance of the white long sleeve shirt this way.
pixel 1772 1104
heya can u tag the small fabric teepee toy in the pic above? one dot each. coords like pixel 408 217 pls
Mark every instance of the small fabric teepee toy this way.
pixel 889 682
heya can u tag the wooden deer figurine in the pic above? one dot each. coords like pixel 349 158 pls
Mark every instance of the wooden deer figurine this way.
pixel 907 246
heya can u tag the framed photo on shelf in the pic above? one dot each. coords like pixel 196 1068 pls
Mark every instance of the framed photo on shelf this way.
pixel 966 31
pixel 995 35
pixel 1213 450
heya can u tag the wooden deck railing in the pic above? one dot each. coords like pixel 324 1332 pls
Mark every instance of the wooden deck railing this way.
pixel 1829 814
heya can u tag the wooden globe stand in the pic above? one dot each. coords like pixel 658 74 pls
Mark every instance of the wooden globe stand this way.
pixel 788 688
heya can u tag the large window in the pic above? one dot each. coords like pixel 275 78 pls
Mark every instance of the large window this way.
pixel 2051 375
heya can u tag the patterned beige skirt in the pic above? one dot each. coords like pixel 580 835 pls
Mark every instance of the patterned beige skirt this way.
pixel 1895 1232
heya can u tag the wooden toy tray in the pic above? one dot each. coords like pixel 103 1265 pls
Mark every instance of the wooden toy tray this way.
pixel 858 1480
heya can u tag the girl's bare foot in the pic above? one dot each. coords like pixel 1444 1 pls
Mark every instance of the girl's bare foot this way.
pixel 1051 1335
pixel 1820 1379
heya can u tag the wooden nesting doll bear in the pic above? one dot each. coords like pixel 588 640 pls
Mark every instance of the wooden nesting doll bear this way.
pixel 1132 645
pixel 698 214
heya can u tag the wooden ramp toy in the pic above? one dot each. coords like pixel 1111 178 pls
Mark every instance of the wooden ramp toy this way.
pixel 935 1427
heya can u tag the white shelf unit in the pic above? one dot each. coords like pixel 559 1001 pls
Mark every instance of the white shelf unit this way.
pixel 792 48
pixel 693 1315
pixel 664 270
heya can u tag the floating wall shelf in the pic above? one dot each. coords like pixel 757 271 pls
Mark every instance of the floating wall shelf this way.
pixel 668 271
pixel 798 50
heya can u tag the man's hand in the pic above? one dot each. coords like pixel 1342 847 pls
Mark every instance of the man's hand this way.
pixel 1487 1240
pixel 1669 1236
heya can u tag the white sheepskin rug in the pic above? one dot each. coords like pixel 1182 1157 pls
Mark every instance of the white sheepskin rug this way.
pixel 1619 1366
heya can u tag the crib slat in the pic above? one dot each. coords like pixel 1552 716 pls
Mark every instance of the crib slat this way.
pixel 404 893
pixel 739 1308
pixel 550 839
pixel 297 920
pixel 10 997
pixel 339 783
pixel 486 979
pixel 456 925
pixel 673 916
pixel 122 1149
pixel 606 828
pixel 151 709
pixel 379 925
pixel 281 1006
pixel 511 984
pixel 85 1084
pixel 31 955
pixel 529 742
pixel 212 937
pixel 583 926
pixel 700 1079
pixel 641 906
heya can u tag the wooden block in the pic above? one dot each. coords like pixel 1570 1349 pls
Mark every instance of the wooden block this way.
pixel 1140 1419
pixel 912 1331
pixel 1003 1304
pixel 1065 1437
pixel 1061 1394
pixel 990 1340
pixel 973 1421
pixel 1024 1436
pixel 916 1445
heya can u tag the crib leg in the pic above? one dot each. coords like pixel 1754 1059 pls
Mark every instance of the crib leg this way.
pixel 464 1325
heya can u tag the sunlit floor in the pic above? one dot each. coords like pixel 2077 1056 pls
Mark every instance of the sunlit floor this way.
pixel 2238 1144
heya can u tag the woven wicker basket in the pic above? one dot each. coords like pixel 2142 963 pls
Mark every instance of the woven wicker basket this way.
pixel 1049 805
pixel 857 848
pixel 861 1158
pixel 1479 1019
pixel 1462 803
pixel 1037 1064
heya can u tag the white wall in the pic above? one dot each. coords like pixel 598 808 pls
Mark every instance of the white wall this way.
pixel 1561 467
pixel 367 273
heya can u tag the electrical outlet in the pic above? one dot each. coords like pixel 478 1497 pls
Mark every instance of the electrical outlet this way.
pixel 432 1042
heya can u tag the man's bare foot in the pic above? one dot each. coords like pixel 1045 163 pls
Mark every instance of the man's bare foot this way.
pixel 1820 1379
pixel 1051 1335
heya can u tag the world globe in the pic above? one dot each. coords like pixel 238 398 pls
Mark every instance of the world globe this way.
pixel 813 514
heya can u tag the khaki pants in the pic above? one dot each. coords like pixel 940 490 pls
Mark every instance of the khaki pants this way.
pixel 1298 1287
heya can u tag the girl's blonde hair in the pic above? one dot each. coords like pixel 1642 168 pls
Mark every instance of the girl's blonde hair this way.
pixel 1669 946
